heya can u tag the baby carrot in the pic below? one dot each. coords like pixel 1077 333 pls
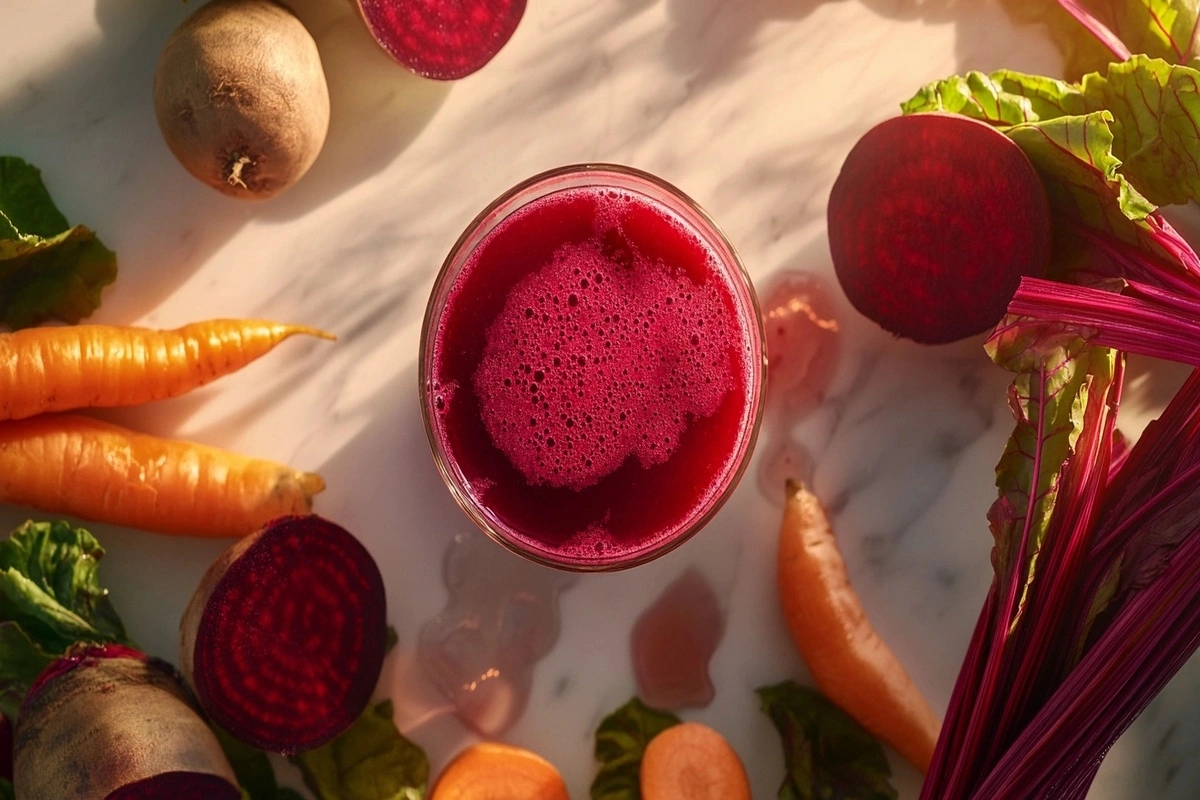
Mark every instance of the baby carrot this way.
pixel 850 664
pixel 68 464
pixel 693 761
pixel 495 771
pixel 96 366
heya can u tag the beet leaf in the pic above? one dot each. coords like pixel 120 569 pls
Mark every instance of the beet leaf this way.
pixel 49 269
pixel 371 760
pixel 826 752
pixel 621 741
pixel 1091 32
pixel 50 598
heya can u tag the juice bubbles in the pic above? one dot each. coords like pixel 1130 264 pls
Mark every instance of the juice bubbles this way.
pixel 591 368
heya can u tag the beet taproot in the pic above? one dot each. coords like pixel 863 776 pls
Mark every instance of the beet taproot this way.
pixel 241 98
pixel 106 722
pixel 933 220
pixel 284 639
pixel 444 40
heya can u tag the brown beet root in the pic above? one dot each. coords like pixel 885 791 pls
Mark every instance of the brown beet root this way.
pixel 241 98
pixel 283 641
pixel 933 220
pixel 106 722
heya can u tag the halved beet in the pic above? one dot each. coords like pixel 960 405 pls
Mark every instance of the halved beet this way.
pixel 442 39
pixel 933 220
pixel 283 641
pixel 107 722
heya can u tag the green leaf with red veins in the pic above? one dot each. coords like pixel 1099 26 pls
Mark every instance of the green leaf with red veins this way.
pixel 1159 28
pixel 1003 98
pixel 1074 156
pixel 1055 373
pixel 1156 125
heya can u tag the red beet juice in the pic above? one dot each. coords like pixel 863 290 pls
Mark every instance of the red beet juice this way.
pixel 591 368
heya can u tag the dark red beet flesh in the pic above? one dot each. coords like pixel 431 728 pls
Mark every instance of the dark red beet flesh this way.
pixel 290 642
pixel 933 220
pixel 442 39
pixel 177 786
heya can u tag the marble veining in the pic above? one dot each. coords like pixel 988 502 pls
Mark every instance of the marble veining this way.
pixel 747 105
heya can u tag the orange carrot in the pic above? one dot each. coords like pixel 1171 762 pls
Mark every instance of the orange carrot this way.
pixel 692 761
pixel 494 771
pixel 97 366
pixel 850 664
pixel 67 464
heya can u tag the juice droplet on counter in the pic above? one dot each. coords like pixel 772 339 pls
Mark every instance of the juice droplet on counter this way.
pixel 500 620
pixel 673 641
pixel 802 342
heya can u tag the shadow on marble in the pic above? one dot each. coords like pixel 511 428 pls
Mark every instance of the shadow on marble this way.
pixel 87 121
pixel 377 108
pixel 711 37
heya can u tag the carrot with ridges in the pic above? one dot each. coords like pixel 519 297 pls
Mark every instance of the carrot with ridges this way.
pixel 848 660
pixel 99 366
pixel 69 464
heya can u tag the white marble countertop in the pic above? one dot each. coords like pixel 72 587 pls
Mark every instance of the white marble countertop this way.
pixel 747 105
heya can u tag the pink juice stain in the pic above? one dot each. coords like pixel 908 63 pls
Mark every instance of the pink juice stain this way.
pixel 593 376
pixel 674 640
pixel 803 344
pixel 500 620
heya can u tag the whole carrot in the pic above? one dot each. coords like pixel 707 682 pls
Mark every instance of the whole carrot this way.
pixel 850 664
pixel 68 464
pixel 97 366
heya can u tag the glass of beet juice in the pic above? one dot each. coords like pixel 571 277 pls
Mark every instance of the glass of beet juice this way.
pixel 591 368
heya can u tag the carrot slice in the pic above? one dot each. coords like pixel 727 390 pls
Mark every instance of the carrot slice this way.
pixel 68 464
pixel 98 366
pixel 849 662
pixel 495 771
pixel 693 761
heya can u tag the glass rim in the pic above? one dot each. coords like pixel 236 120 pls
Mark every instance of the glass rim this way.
pixel 744 290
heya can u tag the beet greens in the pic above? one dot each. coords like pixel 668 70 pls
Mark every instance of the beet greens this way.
pixel 1094 605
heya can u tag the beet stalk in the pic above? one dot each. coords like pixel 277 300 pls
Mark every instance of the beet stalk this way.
pixel 108 723
pixel 283 641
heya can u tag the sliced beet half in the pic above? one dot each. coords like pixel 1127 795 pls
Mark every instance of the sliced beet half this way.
pixel 933 220
pixel 283 641
pixel 442 39
pixel 108 722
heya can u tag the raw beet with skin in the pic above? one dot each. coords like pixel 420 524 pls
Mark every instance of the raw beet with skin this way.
pixel 442 39
pixel 933 220
pixel 283 641
pixel 107 722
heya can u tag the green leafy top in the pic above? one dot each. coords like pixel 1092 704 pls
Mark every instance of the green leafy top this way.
pixel 621 742
pixel 50 598
pixel 49 270
pixel 828 755
pixel 370 761
pixel 1158 28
